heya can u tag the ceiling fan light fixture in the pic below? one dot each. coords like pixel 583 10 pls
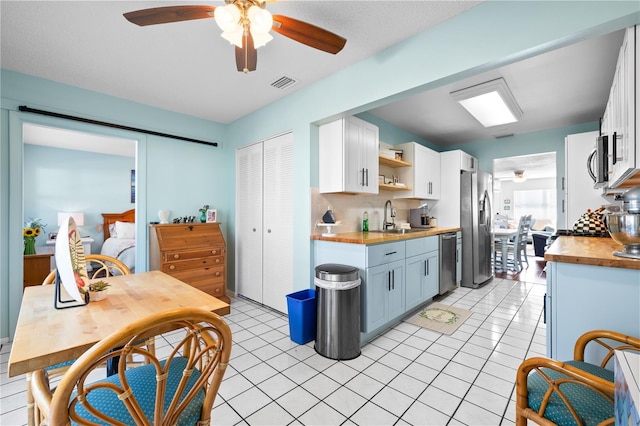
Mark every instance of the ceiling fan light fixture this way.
pixel 227 17
pixel 491 103
pixel 519 176
pixel 260 39
pixel 235 36
pixel 261 20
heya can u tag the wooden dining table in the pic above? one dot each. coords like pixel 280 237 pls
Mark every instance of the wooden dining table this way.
pixel 45 335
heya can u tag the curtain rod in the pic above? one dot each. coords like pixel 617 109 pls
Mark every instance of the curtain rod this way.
pixel 25 108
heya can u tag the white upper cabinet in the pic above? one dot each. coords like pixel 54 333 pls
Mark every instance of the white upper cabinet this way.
pixel 579 192
pixel 424 177
pixel 348 156
pixel 620 118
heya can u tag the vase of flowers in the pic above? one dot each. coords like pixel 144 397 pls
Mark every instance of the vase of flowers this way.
pixel 31 230
pixel 203 213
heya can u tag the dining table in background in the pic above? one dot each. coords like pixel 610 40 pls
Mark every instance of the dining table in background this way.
pixel 503 235
pixel 45 335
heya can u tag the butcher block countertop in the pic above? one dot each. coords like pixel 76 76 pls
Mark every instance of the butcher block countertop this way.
pixel 380 237
pixel 589 251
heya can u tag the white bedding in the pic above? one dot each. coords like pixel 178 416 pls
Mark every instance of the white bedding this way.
pixel 123 249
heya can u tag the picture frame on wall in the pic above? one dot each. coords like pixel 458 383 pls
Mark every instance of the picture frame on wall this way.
pixel 133 186
pixel 212 215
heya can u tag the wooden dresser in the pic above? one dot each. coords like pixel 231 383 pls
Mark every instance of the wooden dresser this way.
pixel 194 253
pixel 36 268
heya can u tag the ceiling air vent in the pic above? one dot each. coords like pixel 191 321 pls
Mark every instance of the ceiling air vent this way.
pixel 283 82
pixel 506 135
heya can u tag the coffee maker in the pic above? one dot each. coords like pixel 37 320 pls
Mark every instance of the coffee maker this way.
pixel 419 218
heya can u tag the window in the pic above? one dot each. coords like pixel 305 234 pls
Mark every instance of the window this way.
pixel 539 203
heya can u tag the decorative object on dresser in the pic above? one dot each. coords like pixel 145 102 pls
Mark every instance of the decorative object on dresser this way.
pixel 30 232
pixel 191 252
pixel 164 215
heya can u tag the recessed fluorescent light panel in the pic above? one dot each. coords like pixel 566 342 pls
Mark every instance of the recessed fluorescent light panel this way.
pixel 491 103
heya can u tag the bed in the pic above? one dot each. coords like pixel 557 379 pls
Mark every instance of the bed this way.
pixel 120 237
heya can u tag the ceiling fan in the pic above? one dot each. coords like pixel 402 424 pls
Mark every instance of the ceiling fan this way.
pixel 245 23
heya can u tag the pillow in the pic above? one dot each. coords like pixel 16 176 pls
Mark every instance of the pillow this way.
pixel 112 230
pixel 126 230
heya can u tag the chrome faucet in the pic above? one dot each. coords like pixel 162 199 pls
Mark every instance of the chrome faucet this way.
pixel 386 224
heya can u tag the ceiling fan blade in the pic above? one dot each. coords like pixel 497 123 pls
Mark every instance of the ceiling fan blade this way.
pixel 164 15
pixel 247 55
pixel 308 34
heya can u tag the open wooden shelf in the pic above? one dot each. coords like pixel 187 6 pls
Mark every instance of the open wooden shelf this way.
pixel 390 162
pixel 391 187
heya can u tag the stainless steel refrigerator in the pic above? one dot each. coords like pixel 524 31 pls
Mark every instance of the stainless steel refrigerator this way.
pixel 477 230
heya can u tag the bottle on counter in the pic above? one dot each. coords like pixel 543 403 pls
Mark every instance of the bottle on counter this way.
pixel 365 221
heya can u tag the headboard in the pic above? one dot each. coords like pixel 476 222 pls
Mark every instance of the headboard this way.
pixel 111 218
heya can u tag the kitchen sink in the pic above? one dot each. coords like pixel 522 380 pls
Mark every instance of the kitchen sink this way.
pixel 400 231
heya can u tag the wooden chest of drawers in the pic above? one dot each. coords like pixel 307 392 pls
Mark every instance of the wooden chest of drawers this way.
pixel 191 252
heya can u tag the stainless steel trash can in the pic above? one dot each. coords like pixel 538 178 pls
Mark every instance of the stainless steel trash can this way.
pixel 338 311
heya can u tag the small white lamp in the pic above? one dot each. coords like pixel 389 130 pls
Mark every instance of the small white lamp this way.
pixel 78 217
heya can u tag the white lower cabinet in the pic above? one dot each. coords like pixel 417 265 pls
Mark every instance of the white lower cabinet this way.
pixel 393 277
pixel 458 257
pixel 385 294
pixel 422 274
pixel 581 298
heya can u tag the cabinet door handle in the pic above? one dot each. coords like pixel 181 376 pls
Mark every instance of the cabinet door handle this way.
pixel 390 253
pixel 615 147
pixel 367 177
pixel 254 229
pixel 393 279
pixel 562 206
pixel 428 269
pixel 389 280
pixel 563 183
pixel 362 177
pixel 425 268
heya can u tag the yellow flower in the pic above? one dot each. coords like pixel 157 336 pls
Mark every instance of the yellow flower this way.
pixel 37 231
pixel 29 232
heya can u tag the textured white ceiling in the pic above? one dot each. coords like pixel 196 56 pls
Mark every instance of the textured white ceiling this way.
pixel 187 67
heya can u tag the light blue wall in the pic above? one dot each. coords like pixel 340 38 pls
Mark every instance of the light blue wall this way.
pixel 63 180
pixel 487 36
pixel 171 174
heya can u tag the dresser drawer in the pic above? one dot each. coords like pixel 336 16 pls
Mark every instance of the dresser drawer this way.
pixel 182 265
pixel 189 235
pixel 170 256
pixel 216 290
pixel 201 277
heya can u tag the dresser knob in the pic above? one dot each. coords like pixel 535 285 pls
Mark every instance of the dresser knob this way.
pixel 217 260
pixel 214 251
pixel 217 274
pixel 172 267
pixel 176 256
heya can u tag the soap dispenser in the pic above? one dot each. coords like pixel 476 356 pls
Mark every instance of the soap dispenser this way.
pixel 365 221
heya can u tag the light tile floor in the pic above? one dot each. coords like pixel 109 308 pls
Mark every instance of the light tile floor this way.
pixel 406 376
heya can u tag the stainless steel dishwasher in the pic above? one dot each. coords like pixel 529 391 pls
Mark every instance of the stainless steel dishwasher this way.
pixel 447 262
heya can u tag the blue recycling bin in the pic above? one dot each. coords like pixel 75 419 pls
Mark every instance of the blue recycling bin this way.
pixel 301 306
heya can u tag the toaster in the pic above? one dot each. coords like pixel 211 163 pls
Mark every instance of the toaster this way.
pixel 418 218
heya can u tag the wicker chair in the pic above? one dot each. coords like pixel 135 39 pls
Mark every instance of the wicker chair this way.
pixel 180 389
pixel 551 392
pixel 101 266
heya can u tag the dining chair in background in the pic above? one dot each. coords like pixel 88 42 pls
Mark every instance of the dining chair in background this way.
pixel 513 250
pixel 179 389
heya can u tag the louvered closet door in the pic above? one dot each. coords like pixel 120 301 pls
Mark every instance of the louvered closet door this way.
pixel 249 222
pixel 278 221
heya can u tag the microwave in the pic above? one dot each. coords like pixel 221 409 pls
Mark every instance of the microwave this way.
pixel 599 158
